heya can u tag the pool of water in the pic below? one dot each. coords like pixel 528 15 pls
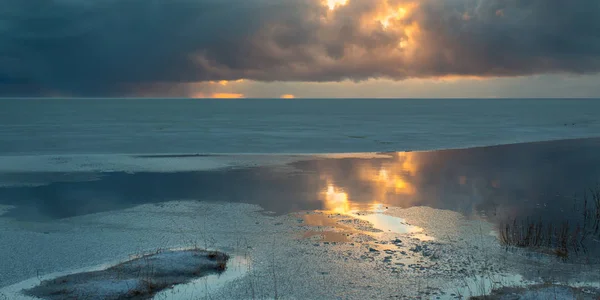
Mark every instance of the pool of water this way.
pixel 544 180
pixel 337 199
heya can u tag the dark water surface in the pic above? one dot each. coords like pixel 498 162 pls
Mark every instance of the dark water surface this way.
pixel 133 126
pixel 544 180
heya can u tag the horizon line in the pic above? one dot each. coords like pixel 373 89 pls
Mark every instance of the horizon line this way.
pixel 300 98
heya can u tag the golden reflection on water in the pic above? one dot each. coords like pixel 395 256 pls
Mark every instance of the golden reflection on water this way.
pixel 336 200
pixel 331 229
pixel 383 179
pixel 323 221
pixel 391 178
pixel 492 184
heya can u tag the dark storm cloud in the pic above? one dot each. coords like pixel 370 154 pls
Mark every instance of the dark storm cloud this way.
pixel 518 37
pixel 110 47
pixel 83 47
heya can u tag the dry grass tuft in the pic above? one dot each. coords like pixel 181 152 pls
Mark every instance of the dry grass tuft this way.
pixel 562 239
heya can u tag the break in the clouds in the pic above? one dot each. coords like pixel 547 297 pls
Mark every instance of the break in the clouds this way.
pixel 159 47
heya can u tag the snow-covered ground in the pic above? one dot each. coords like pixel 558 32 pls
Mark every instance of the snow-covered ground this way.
pixel 278 259
pixel 349 226
pixel 155 162
pixel 142 277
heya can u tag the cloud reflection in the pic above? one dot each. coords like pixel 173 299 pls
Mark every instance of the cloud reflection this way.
pixel 393 177
pixel 536 180
pixel 336 200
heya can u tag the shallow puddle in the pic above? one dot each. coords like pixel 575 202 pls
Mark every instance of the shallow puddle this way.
pixel 337 227
pixel 387 223
pixel 343 197
pixel 237 266
pixel 317 219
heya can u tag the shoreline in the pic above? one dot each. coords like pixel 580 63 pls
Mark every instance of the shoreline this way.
pixel 379 225
pixel 182 162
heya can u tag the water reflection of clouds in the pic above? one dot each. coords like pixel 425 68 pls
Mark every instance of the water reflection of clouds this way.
pixel 370 181
pixel 505 181
pixel 536 180
pixel 392 177
pixel 336 201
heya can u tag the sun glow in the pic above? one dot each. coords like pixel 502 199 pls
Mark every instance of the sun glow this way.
pixel 396 19
pixel 333 4
pixel 225 82
pixel 394 15
pixel 218 96
pixel 389 15
pixel 227 95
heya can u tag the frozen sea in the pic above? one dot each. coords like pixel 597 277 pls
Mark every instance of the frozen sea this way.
pixel 314 199
pixel 125 126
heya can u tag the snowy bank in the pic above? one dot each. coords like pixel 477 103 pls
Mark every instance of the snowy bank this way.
pixel 139 278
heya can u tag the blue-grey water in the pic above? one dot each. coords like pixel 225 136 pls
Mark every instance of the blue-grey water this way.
pixel 125 126
pixel 44 175
pixel 64 163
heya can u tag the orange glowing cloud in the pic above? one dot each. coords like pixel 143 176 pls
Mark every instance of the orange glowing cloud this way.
pixel 306 41
pixel 287 96
pixel 395 19
pixel 332 4
pixel 218 96
pixel 227 95
pixel 390 15
pixel 456 78
pixel 225 82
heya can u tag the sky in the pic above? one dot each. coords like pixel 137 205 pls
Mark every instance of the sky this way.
pixel 300 48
